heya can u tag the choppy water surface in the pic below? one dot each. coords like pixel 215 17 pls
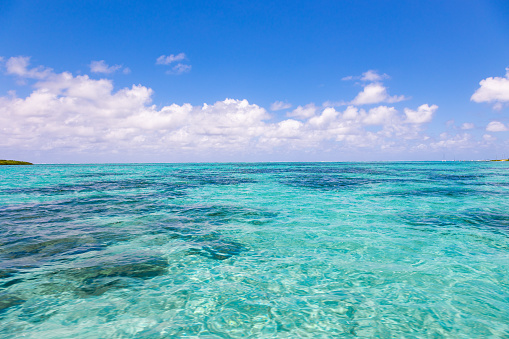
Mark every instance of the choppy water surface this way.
pixel 255 250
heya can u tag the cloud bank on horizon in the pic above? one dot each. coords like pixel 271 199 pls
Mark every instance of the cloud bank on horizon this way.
pixel 76 113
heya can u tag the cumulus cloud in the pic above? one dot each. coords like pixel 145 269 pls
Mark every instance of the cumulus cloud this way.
pixel 102 67
pixel 379 115
pixel 423 114
pixel 303 112
pixel 375 93
pixel 80 113
pixel 496 126
pixel 467 125
pixel 493 90
pixel 279 105
pixel 19 66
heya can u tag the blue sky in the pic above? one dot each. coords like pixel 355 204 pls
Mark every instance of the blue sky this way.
pixel 419 64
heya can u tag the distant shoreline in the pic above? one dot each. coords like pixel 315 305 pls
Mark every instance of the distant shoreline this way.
pixel 17 162
pixel 14 162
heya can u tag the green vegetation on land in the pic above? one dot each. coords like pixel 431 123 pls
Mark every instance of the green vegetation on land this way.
pixel 14 162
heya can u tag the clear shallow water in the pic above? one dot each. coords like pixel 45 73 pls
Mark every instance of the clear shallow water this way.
pixel 262 250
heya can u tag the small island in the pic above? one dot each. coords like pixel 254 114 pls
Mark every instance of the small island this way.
pixel 500 160
pixel 14 162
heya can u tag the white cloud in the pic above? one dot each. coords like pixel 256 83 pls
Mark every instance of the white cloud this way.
pixel 375 93
pixel 455 142
pixel 84 114
pixel 370 75
pixel 489 137
pixel 380 115
pixel 467 125
pixel 166 60
pixel 423 114
pixel 102 67
pixel 76 112
pixel 328 116
pixel 303 112
pixel 179 68
pixel 496 126
pixel 19 66
pixel 279 105
pixel 330 103
pixel 493 90
pixel 80 114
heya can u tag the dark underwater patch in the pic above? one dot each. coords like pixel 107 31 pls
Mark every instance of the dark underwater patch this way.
pixel 210 244
pixel 311 168
pixel 221 214
pixel 451 192
pixel 92 186
pixel 7 273
pixel 192 224
pixel 329 182
pixel 8 300
pixel 173 184
pixel 222 249
pixel 218 250
pixel 214 179
pixel 107 275
pixel 50 247
pixel 495 220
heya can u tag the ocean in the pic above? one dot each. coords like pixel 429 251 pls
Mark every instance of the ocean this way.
pixel 255 250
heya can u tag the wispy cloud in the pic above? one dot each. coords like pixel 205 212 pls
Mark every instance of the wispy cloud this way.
pixel 467 125
pixel 101 66
pixel 178 68
pixel 279 105
pixel 370 75
pixel 168 59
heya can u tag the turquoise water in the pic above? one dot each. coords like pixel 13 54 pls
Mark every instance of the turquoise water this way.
pixel 255 250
